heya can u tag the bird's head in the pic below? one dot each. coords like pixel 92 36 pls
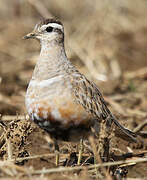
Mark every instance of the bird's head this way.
pixel 48 30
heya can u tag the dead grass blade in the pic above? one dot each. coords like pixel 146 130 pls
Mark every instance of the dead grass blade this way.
pixel 14 117
pixel 90 167
pixel 140 126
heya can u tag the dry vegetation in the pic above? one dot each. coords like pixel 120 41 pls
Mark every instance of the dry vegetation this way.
pixel 106 40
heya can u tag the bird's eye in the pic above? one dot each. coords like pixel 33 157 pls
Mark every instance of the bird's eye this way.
pixel 49 29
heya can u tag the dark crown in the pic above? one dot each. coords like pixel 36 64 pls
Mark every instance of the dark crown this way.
pixel 47 21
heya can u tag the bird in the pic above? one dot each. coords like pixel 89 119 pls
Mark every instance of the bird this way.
pixel 60 99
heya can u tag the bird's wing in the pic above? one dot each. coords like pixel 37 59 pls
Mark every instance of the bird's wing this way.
pixel 88 95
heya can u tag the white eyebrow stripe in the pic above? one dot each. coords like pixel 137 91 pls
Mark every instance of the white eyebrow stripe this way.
pixel 54 25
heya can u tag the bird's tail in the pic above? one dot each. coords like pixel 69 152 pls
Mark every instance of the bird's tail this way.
pixel 123 132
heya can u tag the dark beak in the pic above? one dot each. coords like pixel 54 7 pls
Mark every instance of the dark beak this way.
pixel 30 36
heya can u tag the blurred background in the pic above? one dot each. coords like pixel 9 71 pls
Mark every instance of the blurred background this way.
pixel 105 39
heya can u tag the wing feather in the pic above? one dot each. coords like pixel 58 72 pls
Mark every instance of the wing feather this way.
pixel 88 95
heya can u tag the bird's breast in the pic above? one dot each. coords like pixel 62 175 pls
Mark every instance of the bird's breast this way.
pixel 53 102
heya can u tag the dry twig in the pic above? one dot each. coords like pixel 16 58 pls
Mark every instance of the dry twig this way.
pixel 91 167
pixel 140 126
